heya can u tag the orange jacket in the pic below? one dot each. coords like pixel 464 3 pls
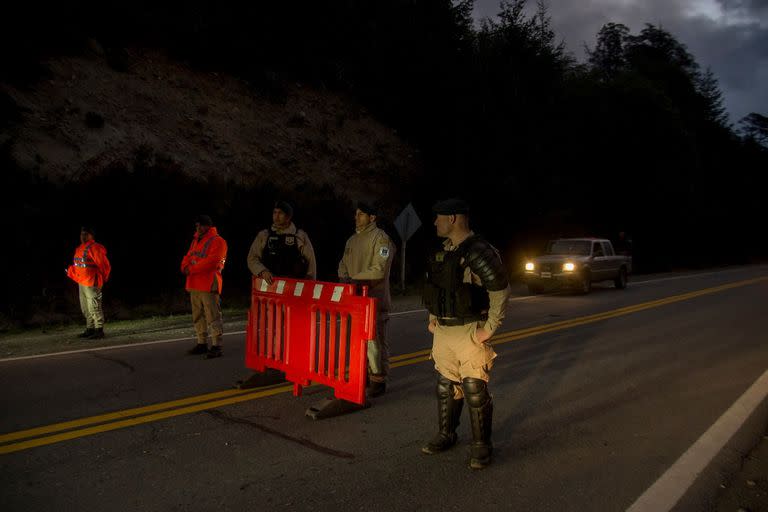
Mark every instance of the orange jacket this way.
pixel 204 262
pixel 91 266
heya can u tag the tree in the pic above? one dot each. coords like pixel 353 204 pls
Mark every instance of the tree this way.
pixel 709 89
pixel 608 56
pixel 755 127
pixel 654 45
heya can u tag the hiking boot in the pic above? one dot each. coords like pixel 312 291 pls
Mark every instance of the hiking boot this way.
pixel 87 333
pixel 213 352
pixel 97 334
pixel 200 348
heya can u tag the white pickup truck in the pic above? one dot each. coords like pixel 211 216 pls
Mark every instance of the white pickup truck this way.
pixel 577 263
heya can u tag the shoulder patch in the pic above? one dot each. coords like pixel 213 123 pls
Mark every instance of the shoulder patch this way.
pixel 384 251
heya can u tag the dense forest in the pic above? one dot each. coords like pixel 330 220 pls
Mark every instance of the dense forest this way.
pixel 635 139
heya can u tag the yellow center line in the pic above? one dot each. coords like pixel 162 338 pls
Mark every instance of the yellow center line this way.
pixel 73 434
pixel 408 362
pixel 506 337
pixel 140 415
pixel 67 425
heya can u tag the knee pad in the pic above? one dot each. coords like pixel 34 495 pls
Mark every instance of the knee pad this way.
pixel 475 392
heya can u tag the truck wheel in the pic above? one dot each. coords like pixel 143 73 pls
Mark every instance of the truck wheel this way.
pixel 621 281
pixel 586 283
pixel 534 289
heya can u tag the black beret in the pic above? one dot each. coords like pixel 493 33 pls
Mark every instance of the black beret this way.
pixel 285 207
pixel 204 220
pixel 88 229
pixel 451 207
pixel 367 208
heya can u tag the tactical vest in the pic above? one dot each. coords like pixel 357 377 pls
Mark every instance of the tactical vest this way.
pixel 282 256
pixel 445 294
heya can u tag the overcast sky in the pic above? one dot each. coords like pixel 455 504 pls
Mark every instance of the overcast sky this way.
pixel 729 36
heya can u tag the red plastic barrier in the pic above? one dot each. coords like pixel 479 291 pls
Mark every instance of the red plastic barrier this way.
pixel 313 331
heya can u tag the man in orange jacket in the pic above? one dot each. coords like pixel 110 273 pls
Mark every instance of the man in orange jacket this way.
pixel 203 265
pixel 90 270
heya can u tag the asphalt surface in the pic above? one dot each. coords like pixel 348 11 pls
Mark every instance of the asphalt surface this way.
pixel 588 414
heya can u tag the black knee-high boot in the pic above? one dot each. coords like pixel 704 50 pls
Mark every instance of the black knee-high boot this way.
pixel 481 416
pixel 448 416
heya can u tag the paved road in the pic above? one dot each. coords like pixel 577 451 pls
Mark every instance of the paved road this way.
pixel 595 396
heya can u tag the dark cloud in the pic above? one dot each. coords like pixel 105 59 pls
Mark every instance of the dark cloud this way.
pixel 728 36
pixel 753 8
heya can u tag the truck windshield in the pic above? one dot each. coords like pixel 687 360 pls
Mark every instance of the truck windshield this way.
pixel 572 247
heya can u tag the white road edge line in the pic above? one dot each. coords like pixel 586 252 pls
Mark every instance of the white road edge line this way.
pixel 128 345
pixel 114 347
pixel 422 310
pixel 664 494
pixel 408 312
pixel 687 276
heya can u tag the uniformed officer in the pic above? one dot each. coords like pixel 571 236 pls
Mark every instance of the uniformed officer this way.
pixel 367 260
pixel 466 292
pixel 282 250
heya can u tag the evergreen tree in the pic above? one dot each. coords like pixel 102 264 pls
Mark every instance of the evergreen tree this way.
pixel 754 127
pixel 709 89
pixel 608 59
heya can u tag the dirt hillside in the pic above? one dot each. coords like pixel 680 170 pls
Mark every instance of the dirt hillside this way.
pixel 90 114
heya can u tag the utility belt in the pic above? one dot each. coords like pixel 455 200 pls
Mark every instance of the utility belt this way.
pixel 463 320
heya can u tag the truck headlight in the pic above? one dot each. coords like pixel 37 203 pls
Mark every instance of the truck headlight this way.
pixel 569 267
pixel 529 266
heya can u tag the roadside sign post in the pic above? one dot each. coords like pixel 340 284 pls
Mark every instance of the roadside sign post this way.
pixel 406 224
